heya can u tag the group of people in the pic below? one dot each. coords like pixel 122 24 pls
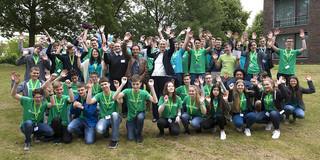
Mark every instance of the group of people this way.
pixel 81 87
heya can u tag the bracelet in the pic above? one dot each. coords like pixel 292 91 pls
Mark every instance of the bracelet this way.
pixel 69 87
pixel 303 38
pixel 51 95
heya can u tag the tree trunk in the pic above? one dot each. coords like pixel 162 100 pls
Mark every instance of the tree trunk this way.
pixel 32 25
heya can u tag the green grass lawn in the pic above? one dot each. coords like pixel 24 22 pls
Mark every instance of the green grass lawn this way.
pixel 297 141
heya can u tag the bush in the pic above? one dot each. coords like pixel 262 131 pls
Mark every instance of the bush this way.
pixel 12 52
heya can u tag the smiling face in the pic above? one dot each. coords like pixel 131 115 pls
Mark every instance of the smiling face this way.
pixel 289 43
pixel 105 86
pixel 208 79
pixel 72 50
pixel 176 45
pixel 34 75
pixel 293 82
pixel 37 51
pixel 58 91
pixel 162 46
pixel 253 46
pixel 135 51
pixel 267 86
pixel 170 87
pixel 82 91
pixel 227 49
pixel 186 80
pixel 218 44
pixel 37 99
pixel 74 79
pixel 192 92
pixel 94 44
pixel 215 91
pixel 240 87
pixel 117 47
pixel 239 75
pixel 262 42
pixel 136 86
pixel 238 45
pixel 95 54
pixel 197 44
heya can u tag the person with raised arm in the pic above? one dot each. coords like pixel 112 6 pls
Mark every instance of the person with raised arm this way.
pixel 136 105
pixel 33 112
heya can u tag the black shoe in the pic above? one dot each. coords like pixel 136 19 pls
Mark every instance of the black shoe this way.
pixel 106 135
pixel 113 144
pixel 56 141
pixel 199 130
pixel 139 139
pixel 154 120
pixel 186 132
pixel 160 135
pixel 27 146
pixel 124 115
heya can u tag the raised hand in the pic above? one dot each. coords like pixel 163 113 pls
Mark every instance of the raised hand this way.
pixel 201 100
pixel 101 28
pixel 78 54
pixel 229 34
pixel 245 35
pixel 160 28
pixel 183 32
pixel 151 83
pixel 64 73
pixel 47 75
pixel 277 31
pixel 208 99
pixel 13 73
pixel 208 33
pixel 168 30
pixel 68 83
pixel 254 35
pixel 302 35
pixel 188 29
pixel 25 52
pixel 218 78
pixel 196 82
pixel 308 77
pixel 200 30
pixel 225 76
pixel 51 40
pixel 124 80
pixel 172 35
pixel 127 36
pixel 236 35
pixel 116 83
pixel 104 48
pixel 142 38
pixel 270 35
pixel 21 37
pixel 231 86
pixel 157 38
pixel 44 57
pixel 53 76
pixel 166 98
pixel 90 83
pixel 225 97
pixel 242 39
pixel 201 80
pixel 192 40
pixel 16 78
pixel 254 81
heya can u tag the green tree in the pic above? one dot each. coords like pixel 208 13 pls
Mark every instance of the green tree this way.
pixel 12 52
pixel 61 18
pixel 257 25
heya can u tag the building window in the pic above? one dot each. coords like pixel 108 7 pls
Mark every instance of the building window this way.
pixel 296 45
pixel 290 13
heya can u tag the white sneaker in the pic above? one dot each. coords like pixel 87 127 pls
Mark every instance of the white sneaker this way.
pixel 286 121
pixel 268 127
pixel 239 129
pixel 247 132
pixel 223 135
pixel 276 134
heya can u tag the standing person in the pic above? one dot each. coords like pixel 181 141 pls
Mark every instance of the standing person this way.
pixel 162 70
pixel 177 64
pixel 136 64
pixel 242 109
pixel 218 111
pixel 198 56
pixel 136 99
pixel 288 56
pixel 85 116
pixel 117 66
pixel 56 64
pixel 183 90
pixel 267 51
pixel 33 113
pixel 42 41
pixel 271 103
pixel 34 60
pixel 295 106
pixel 196 110
pixel 218 50
pixel 170 110
pixel 227 61
pixel 58 114
pixel 208 86
pixel 253 64
pixel 109 112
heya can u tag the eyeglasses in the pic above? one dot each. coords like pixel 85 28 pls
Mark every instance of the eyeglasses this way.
pixel 289 41
pixel 38 97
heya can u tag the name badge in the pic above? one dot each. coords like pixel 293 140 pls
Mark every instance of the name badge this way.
pixel 184 56
pixel 264 61
pixel 174 66
pixel 196 64
pixel 287 67
pixel 107 117
pixel 251 65
pixel 241 115
pixel 267 114
pixel 35 129
pixel 123 61
pixel 281 112
pixel 169 120
pixel 59 70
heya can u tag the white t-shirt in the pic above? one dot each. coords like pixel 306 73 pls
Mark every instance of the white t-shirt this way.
pixel 159 67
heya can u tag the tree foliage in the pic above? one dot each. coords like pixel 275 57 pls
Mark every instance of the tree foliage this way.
pixel 257 25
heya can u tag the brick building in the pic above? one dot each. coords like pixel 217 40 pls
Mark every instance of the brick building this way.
pixel 291 16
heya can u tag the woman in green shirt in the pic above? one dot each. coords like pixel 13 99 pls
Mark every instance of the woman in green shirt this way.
pixel 170 110
pixel 195 109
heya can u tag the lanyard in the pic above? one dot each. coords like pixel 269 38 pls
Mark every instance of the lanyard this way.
pixel 95 66
pixel 263 49
pixel 33 87
pixel 288 56
pixel 35 59
pixel 191 107
pixel 252 55
pixel 215 105
pixel 58 104
pixel 170 106
pixel 95 90
pixel 185 91
pixel 71 60
pixel 107 102
pixel 241 100
pixel 57 60
pixel 174 56
pixel 268 99
pixel 135 102
pixel 36 114
pixel 208 89
pixel 197 54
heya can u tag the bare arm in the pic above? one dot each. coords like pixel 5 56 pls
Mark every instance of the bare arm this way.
pixel 90 100
pixel 186 41
pixel 118 94
pixel 304 44
pixel 14 93
pixel 153 98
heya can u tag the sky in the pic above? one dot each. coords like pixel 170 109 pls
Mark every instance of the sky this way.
pixel 255 6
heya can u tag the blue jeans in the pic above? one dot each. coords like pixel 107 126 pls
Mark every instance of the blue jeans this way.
pixel 195 76
pixel 27 128
pixel 248 118
pixel 103 126
pixel 134 128
pixel 274 116
pixel 296 112
pixel 78 126
pixel 195 121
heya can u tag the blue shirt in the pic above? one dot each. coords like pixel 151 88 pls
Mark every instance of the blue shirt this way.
pixel 96 68
pixel 176 61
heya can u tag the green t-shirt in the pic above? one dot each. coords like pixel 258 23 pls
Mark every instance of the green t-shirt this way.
pixel 182 91
pixel 171 108
pixel 185 62
pixel 228 63
pixel 207 90
pixel 66 89
pixel 135 102
pixel 59 67
pixel 215 108
pixel 33 86
pixel 253 67
pixel 198 61
pixel 294 102
pixel 192 109
pixel 31 111
pixel 268 103
pixel 243 102
pixel 96 89
pixel 150 61
pixel 59 110
pixel 107 104
pixel 287 58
